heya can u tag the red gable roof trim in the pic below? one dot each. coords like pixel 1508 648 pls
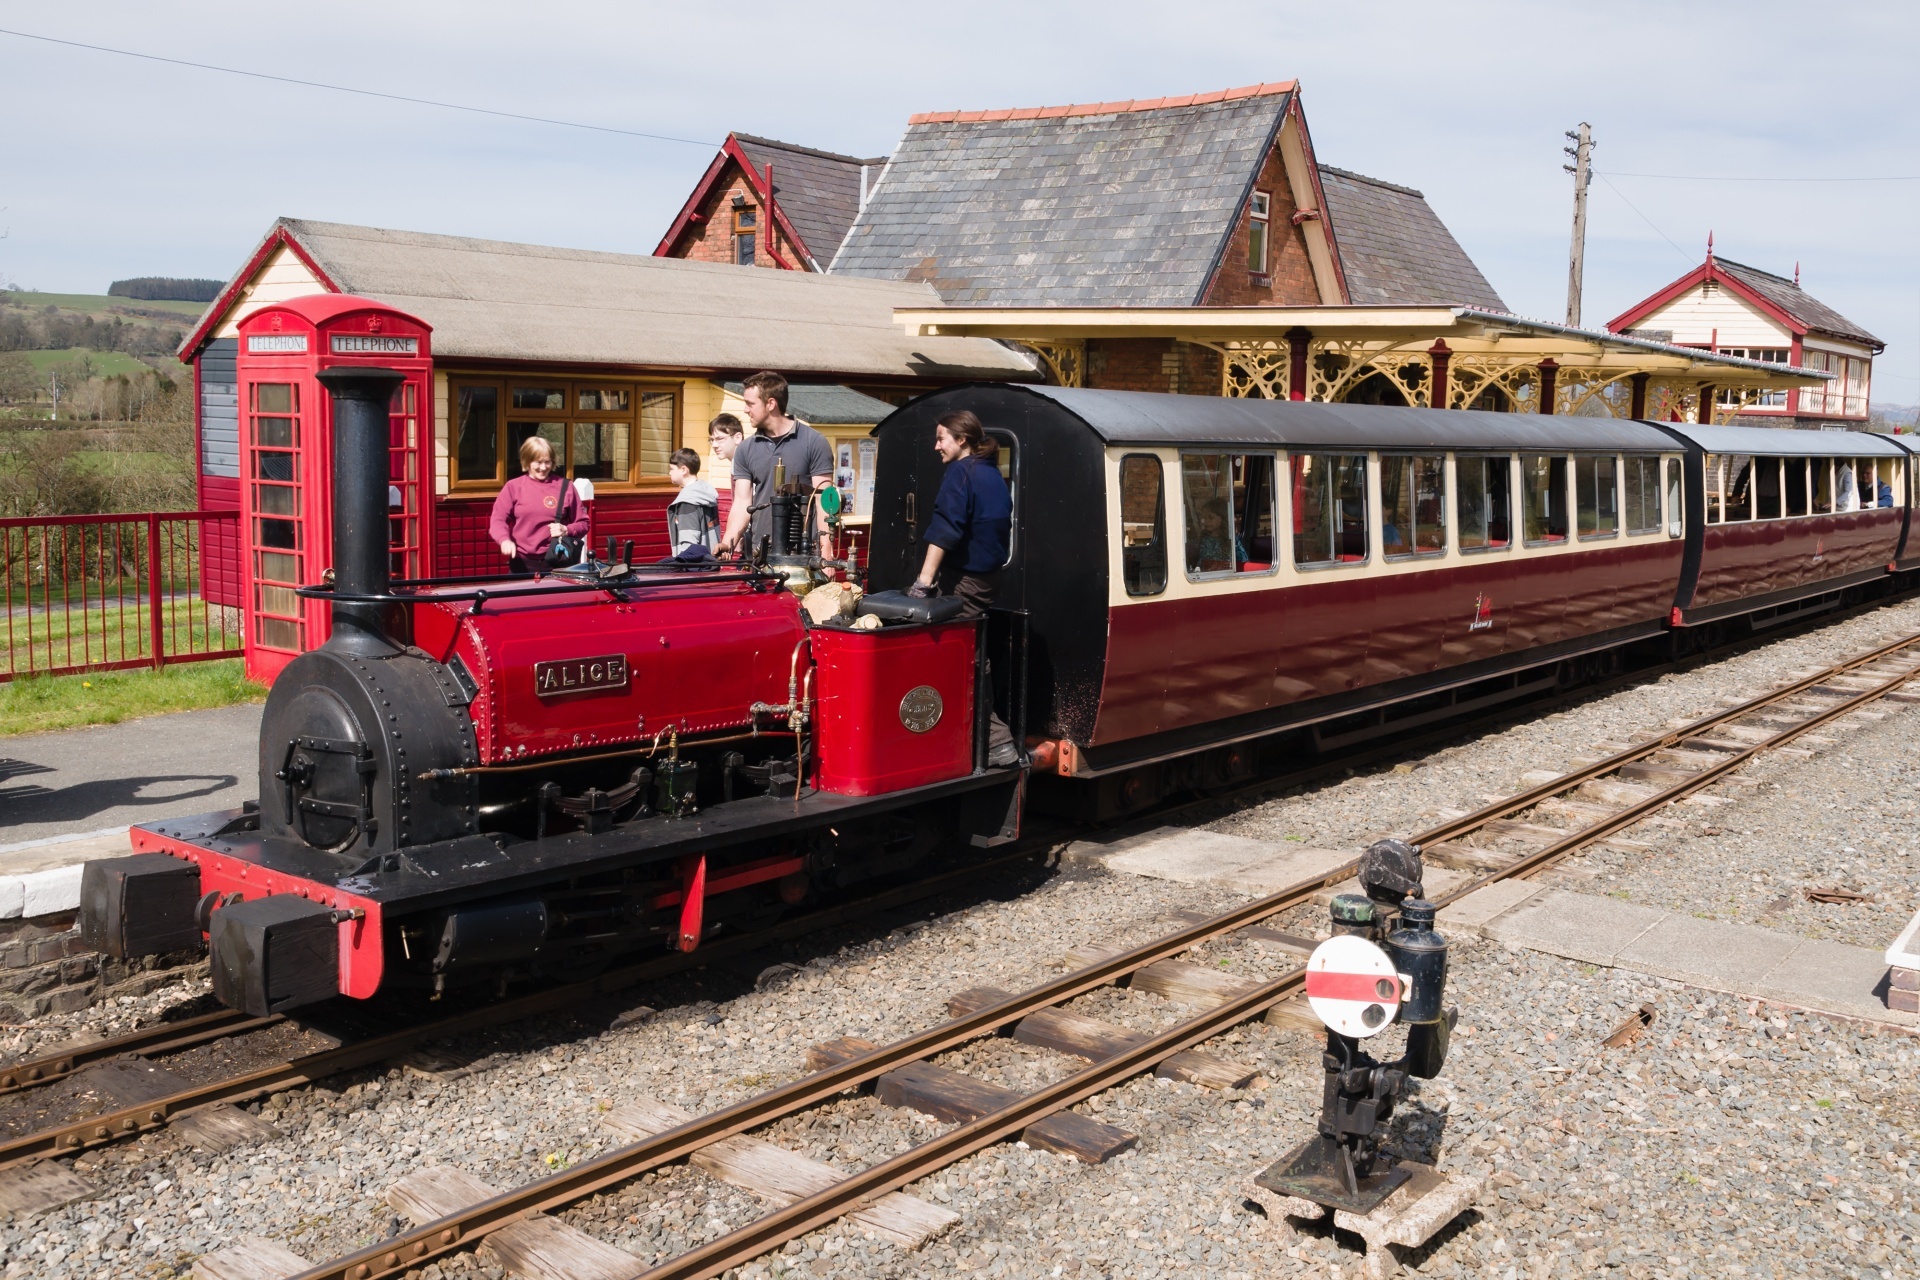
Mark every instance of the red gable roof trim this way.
pixel 1103 108
pixel 1708 270
pixel 730 150
pixel 1320 199
pixel 230 296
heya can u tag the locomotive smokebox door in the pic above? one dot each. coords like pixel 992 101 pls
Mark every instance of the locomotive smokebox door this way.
pixel 274 953
pixel 139 906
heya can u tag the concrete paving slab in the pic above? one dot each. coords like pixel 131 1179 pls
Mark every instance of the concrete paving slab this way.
pixel 1706 952
pixel 1189 856
pixel 1471 915
pixel 1574 925
pixel 1835 977
pixel 84 780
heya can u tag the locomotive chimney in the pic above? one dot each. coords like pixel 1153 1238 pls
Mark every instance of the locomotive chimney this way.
pixel 360 442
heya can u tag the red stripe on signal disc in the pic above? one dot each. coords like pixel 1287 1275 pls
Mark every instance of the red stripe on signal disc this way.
pixel 1360 987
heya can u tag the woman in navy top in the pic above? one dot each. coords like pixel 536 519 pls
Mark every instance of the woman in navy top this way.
pixel 972 518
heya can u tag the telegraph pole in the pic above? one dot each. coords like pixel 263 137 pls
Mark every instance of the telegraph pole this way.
pixel 1582 153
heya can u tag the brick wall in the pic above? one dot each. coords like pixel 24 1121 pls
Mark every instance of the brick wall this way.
pixel 1290 280
pixel 44 968
pixel 1152 364
pixel 712 240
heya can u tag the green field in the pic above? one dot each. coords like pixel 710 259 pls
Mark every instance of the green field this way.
pixel 105 363
pixel 100 304
pixel 40 703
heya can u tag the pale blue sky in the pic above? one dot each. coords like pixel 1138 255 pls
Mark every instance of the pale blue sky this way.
pixel 111 167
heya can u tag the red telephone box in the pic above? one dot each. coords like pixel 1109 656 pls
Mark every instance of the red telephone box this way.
pixel 286 458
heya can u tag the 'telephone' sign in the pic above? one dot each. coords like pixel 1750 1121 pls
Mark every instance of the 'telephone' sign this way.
pixel 374 344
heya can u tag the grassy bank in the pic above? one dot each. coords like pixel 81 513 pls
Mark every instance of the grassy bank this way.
pixel 38 703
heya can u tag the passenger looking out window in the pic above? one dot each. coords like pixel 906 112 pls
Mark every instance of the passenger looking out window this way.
pixel 1486 501
pixel 1229 505
pixel 1143 526
pixel 1329 508
pixel 1413 501
pixel 1543 493
pixel 1643 495
pixel 1766 488
pixel 1598 496
pixel 1846 495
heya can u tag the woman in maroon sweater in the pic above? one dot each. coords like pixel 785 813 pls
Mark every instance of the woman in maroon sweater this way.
pixel 534 509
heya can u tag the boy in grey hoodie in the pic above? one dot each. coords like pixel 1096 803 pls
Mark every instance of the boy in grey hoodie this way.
pixel 693 517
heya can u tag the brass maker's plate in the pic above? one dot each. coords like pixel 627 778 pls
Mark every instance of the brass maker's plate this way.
pixel 920 709
pixel 580 675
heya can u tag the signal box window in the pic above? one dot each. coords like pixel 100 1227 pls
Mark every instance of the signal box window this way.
pixel 1486 502
pixel 1329 508
pixel 1642 497
pixel 1543 496
pixel 1229 506
pixel 611 433
pixel 1598 496
pixel 1413 500
pixel 1143 526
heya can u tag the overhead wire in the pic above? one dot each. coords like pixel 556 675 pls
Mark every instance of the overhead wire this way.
pixel 1720 177
pixel 1643 217
pixel 341 88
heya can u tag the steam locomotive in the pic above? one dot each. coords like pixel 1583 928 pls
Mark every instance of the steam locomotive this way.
pixel 478 781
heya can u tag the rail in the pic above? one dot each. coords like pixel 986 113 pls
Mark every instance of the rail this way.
pixel 112 592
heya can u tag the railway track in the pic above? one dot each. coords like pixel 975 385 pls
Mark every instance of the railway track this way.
pixel 1604 796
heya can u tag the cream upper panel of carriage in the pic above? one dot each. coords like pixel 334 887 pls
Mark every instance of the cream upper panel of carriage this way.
pixel 1217 519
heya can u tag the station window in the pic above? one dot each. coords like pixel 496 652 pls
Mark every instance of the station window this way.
pixel 1642 496
pixel 1257 233
pixel 1329 508
pixel 1229 509
pixel 1597 496
pixel 1676 521
pixel 1143 525
pixel 611 433
pixel 746 223
pixel 1794 488
pixel 1413 504
pixel 1543 498
pixel 1486 501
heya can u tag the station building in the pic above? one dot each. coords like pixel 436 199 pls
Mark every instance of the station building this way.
pixel 1197 245
pixel 1737 310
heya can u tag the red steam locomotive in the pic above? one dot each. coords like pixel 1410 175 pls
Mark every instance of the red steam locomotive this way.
pixel 482 780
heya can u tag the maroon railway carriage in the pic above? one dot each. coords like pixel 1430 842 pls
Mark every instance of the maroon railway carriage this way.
pixel 1198 574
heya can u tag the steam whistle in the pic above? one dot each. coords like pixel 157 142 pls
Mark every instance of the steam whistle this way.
pixel 1384 964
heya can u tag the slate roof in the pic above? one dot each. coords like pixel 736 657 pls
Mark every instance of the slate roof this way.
pixel 816 403
pixel 1394 249
pixel 1797 302
pixel 497 300
pixel 819 191
pixel 1107 204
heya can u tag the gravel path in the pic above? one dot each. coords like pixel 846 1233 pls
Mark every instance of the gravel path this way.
pixel 1726 1138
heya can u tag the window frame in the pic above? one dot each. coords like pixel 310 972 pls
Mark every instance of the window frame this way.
pixel 1446 525
pixel 1233 529
pixel 1260 227
pixel 1460 489
pixel 1367 491
pixel 1567 535
pixel 746 228
pixel 505 458
pixel 1598 534
pixel 1634 464
pixel 1673 496
pixel 1159 540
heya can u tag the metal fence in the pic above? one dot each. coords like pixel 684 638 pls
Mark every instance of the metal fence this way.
pixel 101 593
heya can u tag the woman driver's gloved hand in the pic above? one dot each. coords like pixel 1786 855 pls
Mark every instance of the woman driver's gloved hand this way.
pixel 919 591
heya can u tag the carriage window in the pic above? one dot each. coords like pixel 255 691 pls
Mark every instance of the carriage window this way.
pixel 1413 503
pixel 1486 502
pixel 1766 488
pixel 1642 497
pixel 1822 469
pixel 1875 491
pixel 1543 492
pixel 1329 508
pixel 1738 498
pixel 1598 496
pixel 1846 485
pixel 1229 506
pixel 1143 526
pixel 1716 487
pixel 1676 524
pixel 1796 487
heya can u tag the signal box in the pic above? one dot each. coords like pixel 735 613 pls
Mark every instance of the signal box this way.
pixel 286 458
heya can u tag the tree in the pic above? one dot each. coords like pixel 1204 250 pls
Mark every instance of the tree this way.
pixel 19 382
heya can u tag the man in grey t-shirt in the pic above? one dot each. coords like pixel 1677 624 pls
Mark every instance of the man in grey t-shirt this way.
pixel 776 437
